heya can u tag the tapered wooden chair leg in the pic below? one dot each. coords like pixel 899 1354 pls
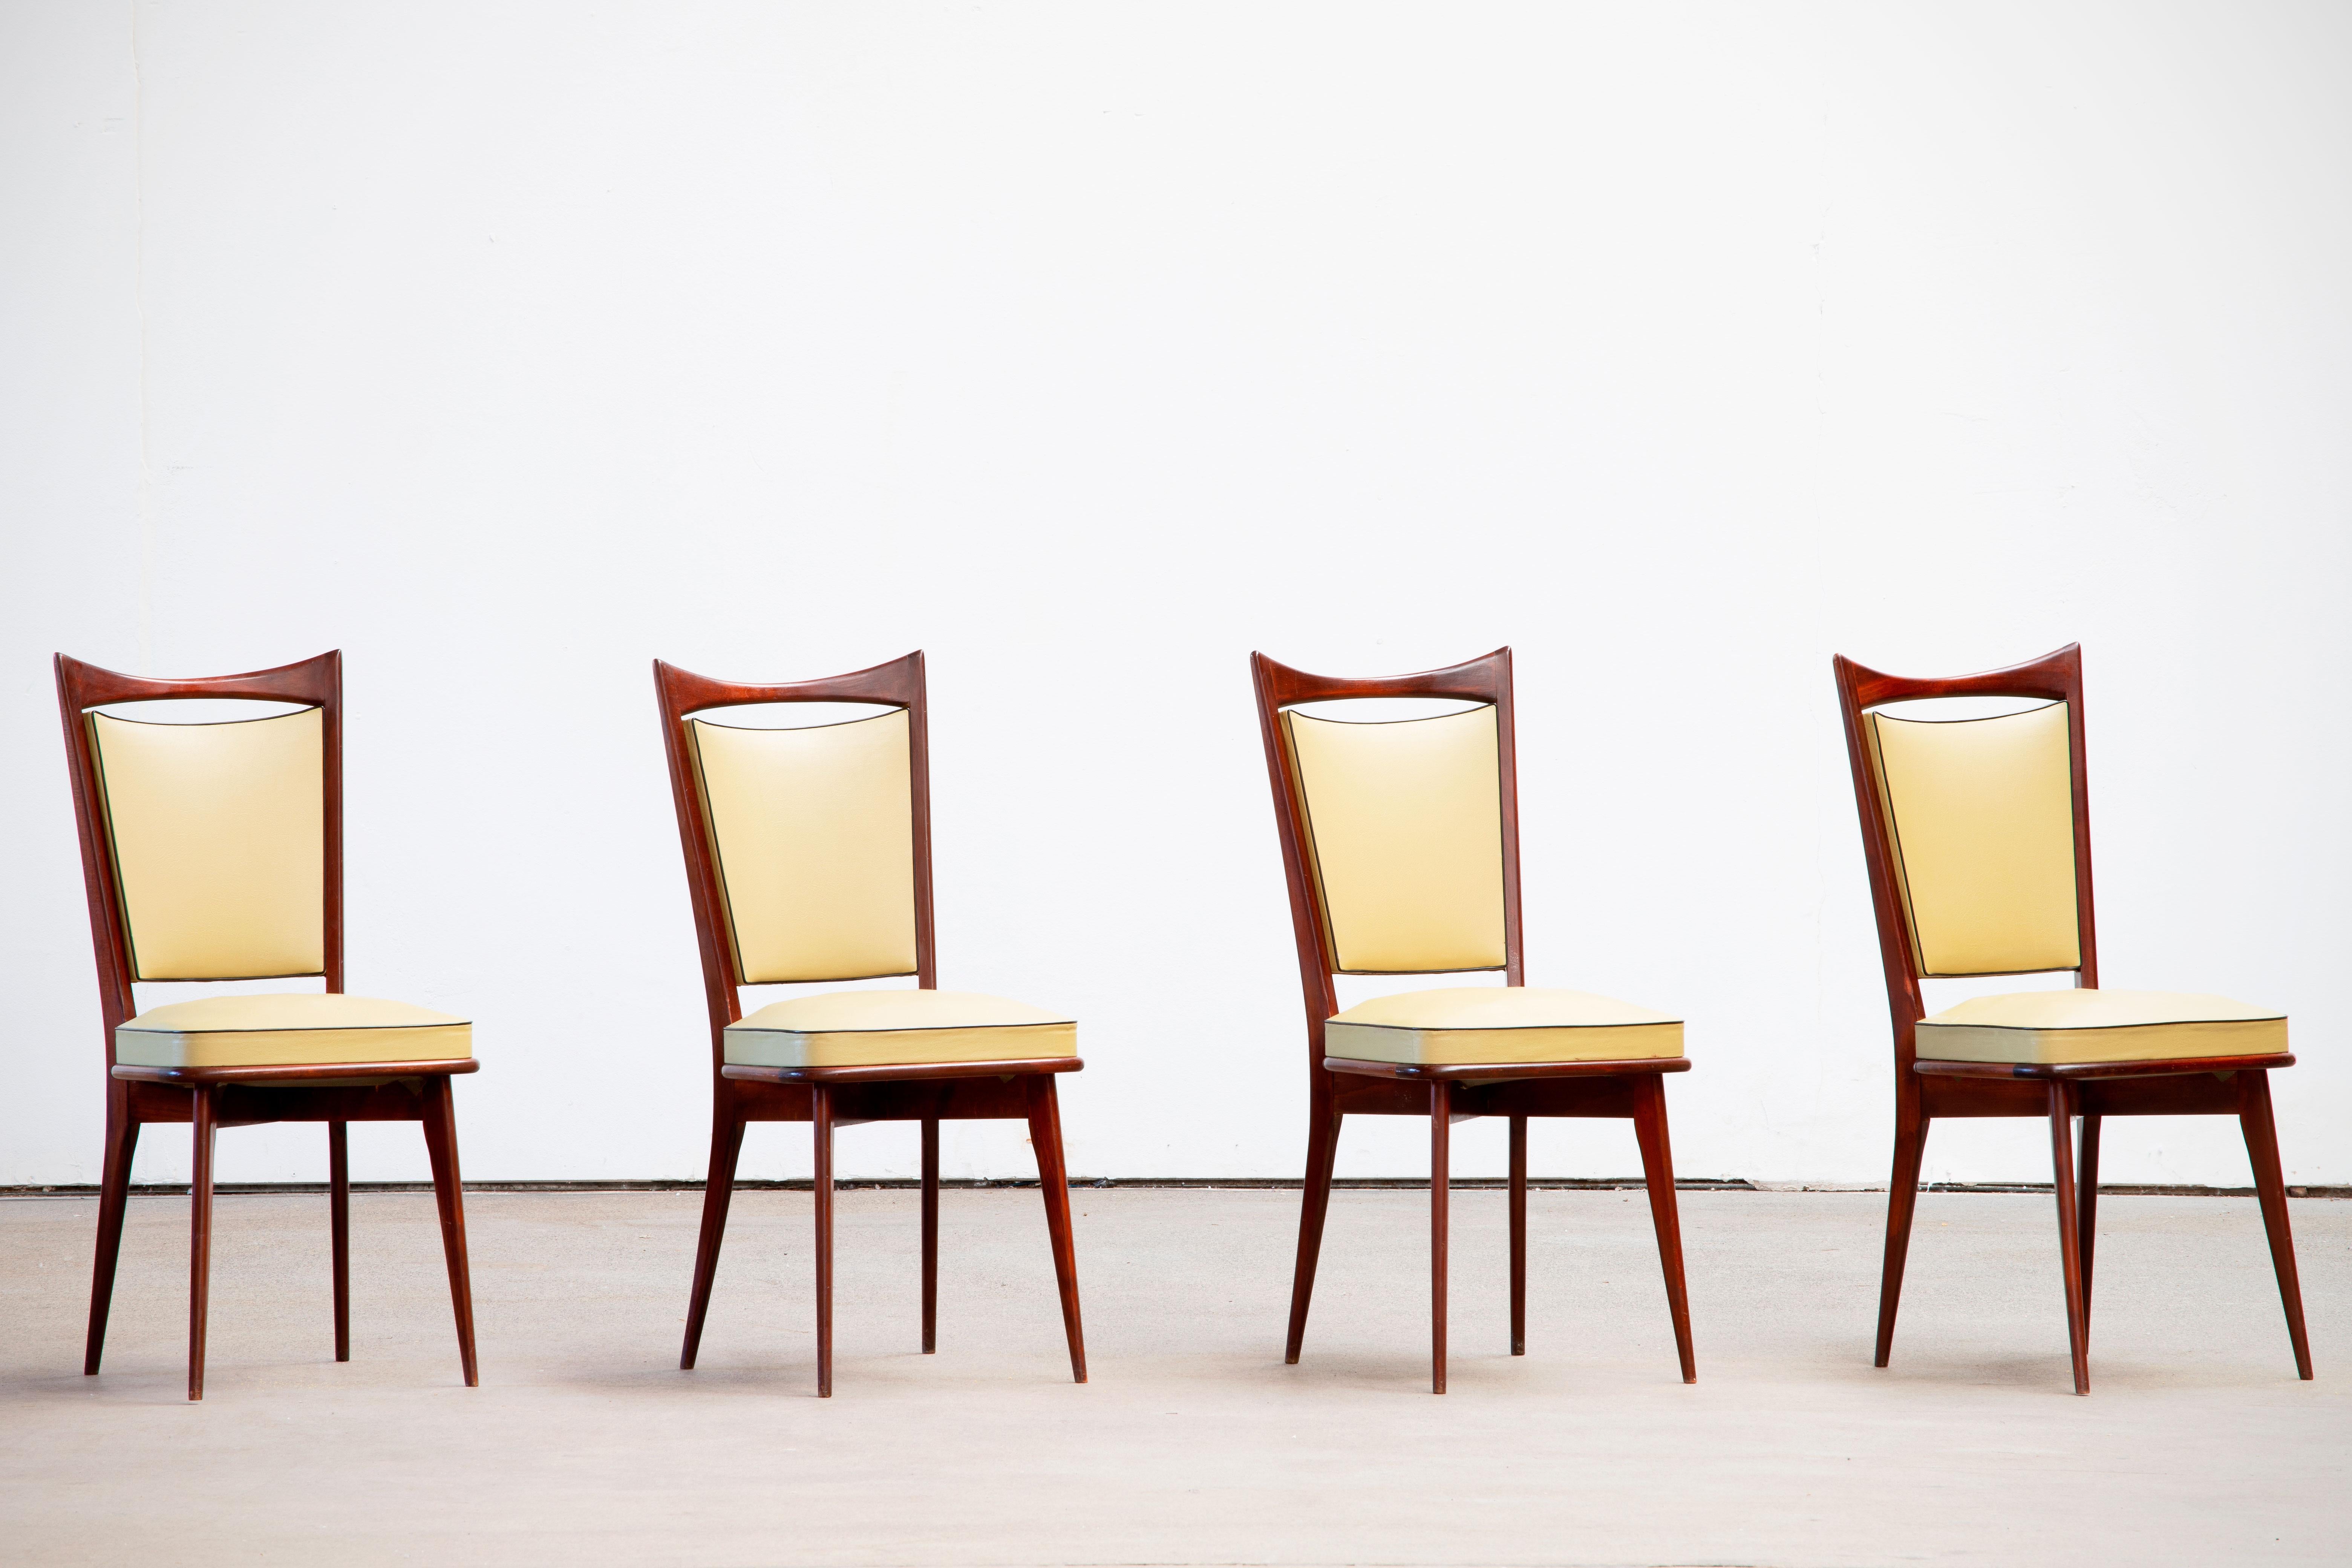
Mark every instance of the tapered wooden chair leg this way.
pixel 931 1234
pixel 339 1224
pixel 449 1196
pixel 718 1190
pixel 1314 1203
pixel 1518 1235
pixel 1441 1160
pixel 200 1238
pixel 1902 1203
pixel 113 1198
pixel 2087 1207
pixel 1666 1218
pixel 821 1189
pixel 2270 1185
pixel 2070 1246
pixel 1054 1180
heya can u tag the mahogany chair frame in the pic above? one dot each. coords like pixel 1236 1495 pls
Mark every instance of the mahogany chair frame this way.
pixel 209 1098
pixel 832 1097
pixel 1927 1090
pixel 1340 1086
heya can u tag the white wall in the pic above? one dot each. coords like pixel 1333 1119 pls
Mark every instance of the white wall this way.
pixel 1089 347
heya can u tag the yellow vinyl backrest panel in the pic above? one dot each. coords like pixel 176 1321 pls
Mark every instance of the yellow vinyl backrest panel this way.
pixel 1980 819
pixel 219 843
pixel 813 833
pixel 1404 839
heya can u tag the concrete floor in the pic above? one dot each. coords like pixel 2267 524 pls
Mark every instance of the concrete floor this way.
pixel 1194 1444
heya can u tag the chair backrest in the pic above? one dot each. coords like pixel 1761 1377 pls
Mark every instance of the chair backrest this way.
pixel 807 850
pixel 210 851
pixel 1977 831
pixel 1399 839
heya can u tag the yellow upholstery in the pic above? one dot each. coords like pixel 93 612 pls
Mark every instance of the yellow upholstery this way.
pixel 219 843
pixel 1980 816
pixel 1462 1025
pixel 1404 839
pixel 290 1031
pixel 813 833
pixel 868 1029
pixel 2054 1027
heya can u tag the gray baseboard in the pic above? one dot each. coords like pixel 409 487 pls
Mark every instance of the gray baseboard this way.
pixel 1460 1183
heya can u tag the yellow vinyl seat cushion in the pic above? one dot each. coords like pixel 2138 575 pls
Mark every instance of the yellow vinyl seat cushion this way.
pixel 895 1028
pixel 1472 1025
pixel 2051 1028
pixel 290 1031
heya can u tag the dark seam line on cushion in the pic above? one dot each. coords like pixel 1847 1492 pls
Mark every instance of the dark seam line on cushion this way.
pixel 896 713
pixel 1297 770
pixel 1984 719
pixel 717 855
pixel 286 1028
pixel 113 848
pixel 1504 1028
pixel 2098 1029
pixel 1383 723
pixel 899 1029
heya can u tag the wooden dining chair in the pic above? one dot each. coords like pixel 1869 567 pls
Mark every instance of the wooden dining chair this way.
pixel 214 851
pixel 1401 843
pixel 808 857
pixel 1978 837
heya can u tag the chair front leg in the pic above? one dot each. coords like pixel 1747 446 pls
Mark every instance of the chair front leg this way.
pixel 200 1235
pixel 2070 1249
pixel 338 1226
pixel 931 1234
pixel 449 1197
pixel 113 1198
pixel 821 1190
pixel 2270 1185
pixel 1518 1235
pixel 1665 1219
pixel 1440 1159
pixel 2086 1206
pixel 1054 1180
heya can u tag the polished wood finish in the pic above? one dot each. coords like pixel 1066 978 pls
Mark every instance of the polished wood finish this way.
pixel 931 1234
pixel 1926 1089
pixel 831 1096
pixel 2161 1066
pixel 1519 1205
pixel 208 1098
pixel 2270 1185
pixel 900 1072
pixel 339 1220
pixel 1339 1087
pixel 1503 1072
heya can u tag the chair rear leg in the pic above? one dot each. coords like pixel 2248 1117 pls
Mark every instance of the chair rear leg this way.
pixel 2270 1184
pixel 2070 1247
pixel 113 1198
pixel 1518 1235
pixel 200 1237
pixel 931 1234
pixel 821 1190
pixel 2086 1206
pixel 338 1215
pixel 718 1190
pixel 1441 1161
pixel 448 1195
pixel 1314 1203
pixel 1902 1203
pixel 1054 1180
pixel 1658 1176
